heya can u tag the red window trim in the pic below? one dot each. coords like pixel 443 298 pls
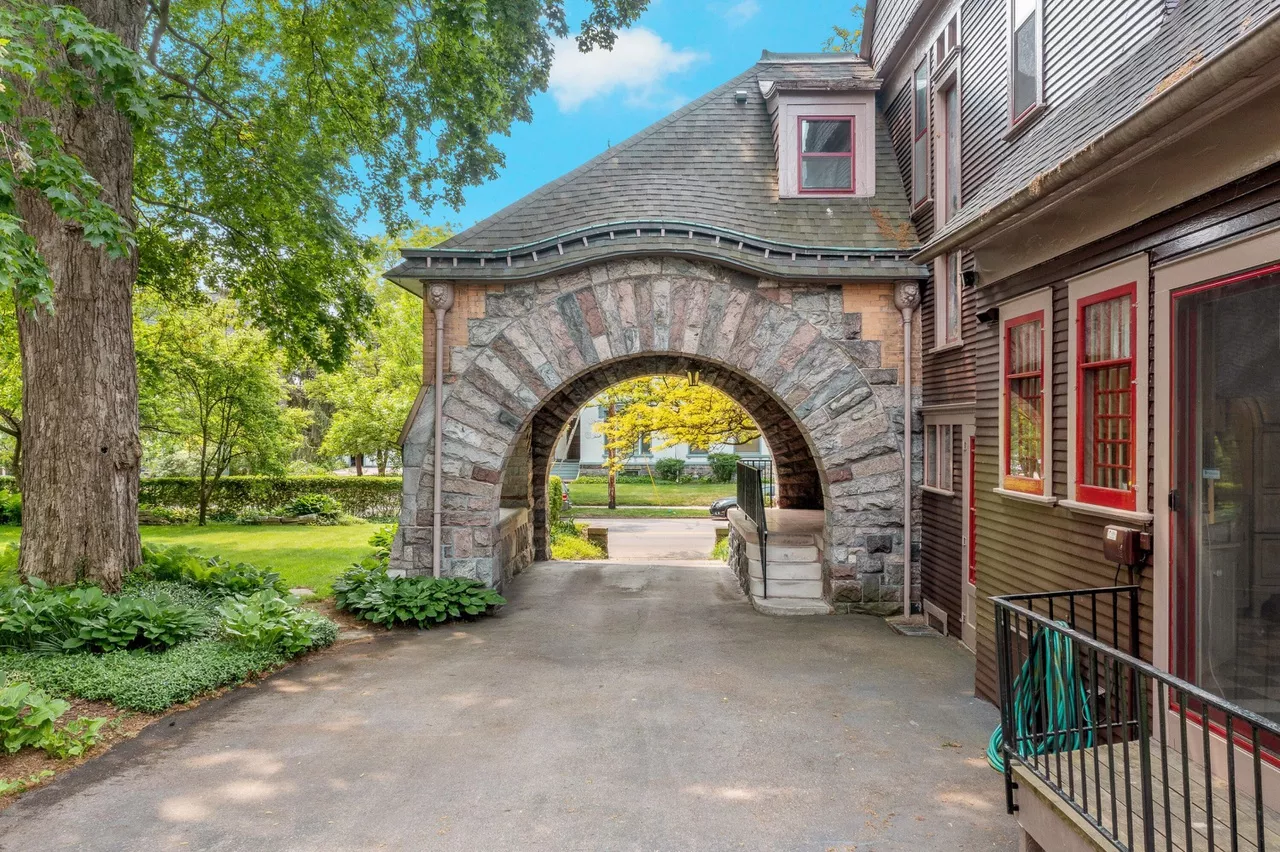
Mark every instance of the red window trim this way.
pixel 1182 603
pixel 1096 495
pixel 851 156
pixel 1010 482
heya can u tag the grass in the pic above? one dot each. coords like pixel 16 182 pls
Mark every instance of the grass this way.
pixel 598 512
pixel 648 493
pixel 304 556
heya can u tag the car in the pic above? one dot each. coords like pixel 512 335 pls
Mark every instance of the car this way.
pixel 720 508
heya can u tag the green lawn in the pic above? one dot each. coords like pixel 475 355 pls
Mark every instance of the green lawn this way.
pixel 651 493
pixel 304 556
pixel 591 513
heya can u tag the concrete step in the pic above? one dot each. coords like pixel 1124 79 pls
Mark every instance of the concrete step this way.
pixel 779 588
pixel 781 539
pixel 788 570
pixel 792 553
pixel 791 606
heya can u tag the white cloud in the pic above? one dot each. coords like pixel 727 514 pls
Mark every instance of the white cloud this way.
pixel 741 12
pixel 638 66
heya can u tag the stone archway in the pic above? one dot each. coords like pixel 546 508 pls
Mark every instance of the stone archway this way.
pixel 543 344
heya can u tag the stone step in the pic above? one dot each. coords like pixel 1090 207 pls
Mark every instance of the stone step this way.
pixel 794 540
pixel 788 570
pixel 779 588
pixel 791 606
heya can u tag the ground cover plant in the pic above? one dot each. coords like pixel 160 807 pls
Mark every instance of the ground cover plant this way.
pixel 183 625
pixel 368 592
pixel 637 512
pixel 569 542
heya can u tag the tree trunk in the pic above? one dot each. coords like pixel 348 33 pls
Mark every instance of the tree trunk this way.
pixel 80 389
pixel 359 465
pixel 613 471
pixel 202 500
pixel 381 456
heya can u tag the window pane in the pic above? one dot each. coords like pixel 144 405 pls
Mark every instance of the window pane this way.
pixel 827 173
pixel 1025 426
pixel 1107 421
pixel 920 170
pixel 1108 330
pixel 953 298
pixel 1025 70
pixel 1022 9
pixel 921 95
pixel 944 457
pixel 931 456
pixel 953 151
pixel 827 137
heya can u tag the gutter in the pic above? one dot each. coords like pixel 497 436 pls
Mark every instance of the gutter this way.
pixel 1210 78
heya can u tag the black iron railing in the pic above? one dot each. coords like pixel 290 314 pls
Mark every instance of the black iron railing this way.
pixel 1142 755
pixel 751 502
pixel 765 466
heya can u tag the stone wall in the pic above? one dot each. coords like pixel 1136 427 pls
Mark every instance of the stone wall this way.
pixel 796 357
pixel 515 542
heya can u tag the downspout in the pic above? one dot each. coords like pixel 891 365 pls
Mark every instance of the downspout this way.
pixel 906 296
pixel 440 298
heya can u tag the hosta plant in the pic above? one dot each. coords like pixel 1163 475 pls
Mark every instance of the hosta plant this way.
pixel 29 717
pixel 368 592
pixel 264 620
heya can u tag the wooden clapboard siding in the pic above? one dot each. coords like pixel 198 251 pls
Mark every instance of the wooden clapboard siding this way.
pixel 941 548
pixel 948 373
pixel 1026 547
pixel 892 18
pixel 1082 40
pixel 984 92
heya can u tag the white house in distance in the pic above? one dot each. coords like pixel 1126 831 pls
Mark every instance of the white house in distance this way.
pixel 581 450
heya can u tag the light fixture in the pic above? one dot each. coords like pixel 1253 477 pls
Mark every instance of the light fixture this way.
pixel 694 377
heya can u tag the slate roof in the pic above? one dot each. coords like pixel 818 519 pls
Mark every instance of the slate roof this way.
pixel 701 182
pixel 1196 32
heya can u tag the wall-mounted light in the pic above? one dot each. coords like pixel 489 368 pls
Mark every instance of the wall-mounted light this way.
pixel 990 315
pixel 694 377
pixel 969 278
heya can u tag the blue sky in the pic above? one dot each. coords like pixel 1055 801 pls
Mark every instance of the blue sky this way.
pixel 678 50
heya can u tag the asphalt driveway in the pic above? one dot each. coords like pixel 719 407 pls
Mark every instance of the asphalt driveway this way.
pixel 610 707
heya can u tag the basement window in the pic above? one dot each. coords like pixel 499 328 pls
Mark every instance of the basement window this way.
pixel 826 154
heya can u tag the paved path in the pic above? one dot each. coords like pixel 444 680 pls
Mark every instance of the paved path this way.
pixel 610 707
pixel 659 538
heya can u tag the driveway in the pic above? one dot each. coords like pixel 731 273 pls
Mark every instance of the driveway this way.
pixel 657 539
pixel 610 707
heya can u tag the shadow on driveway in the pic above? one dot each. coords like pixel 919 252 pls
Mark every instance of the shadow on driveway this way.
pixel 610 707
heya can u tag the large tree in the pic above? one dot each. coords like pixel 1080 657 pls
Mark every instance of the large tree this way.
pixel 264 133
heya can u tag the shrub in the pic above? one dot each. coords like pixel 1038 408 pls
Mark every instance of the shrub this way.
pixel 10 507
pixel 382 540
pixel 321 505
pixel 555 499
pixel 266 621
pixel 178 564
pixel 146 682
pixel 28 717
pixel 669 469
pixel 165 515
pixel 721 551
pixel 723 466
pixel 574 549
pixel 40 618
pixel 362 496
pixel 368 592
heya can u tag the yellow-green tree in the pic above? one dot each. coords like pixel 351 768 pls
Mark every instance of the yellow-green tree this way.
pixel 668 410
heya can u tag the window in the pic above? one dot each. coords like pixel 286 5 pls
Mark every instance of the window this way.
pixel 951 153
pixel 1024 404
pixel 938 454
pixel 644 445
pixel 920 137
pixel 948 40
pixel 1024 67
pixel 947 308
pixel 1105 404
pixel 826 155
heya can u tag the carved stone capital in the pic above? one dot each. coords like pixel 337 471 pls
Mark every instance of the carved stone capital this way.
pixel 439 295
pixel 906 295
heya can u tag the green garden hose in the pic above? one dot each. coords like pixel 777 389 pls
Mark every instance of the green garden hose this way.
pixel 1050 710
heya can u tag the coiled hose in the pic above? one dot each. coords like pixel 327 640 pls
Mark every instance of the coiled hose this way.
pixel 1050 706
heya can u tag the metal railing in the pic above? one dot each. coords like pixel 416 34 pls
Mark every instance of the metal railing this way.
pixel 767 483
pixel 751 502
pixel 1134 750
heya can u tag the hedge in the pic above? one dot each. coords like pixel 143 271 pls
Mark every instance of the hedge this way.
pixel 362 496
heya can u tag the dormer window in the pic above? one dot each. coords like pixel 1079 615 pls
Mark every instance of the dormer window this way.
pixel 827 154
